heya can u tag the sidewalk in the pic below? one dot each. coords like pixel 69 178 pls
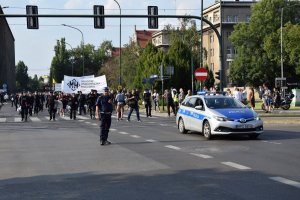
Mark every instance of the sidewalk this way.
pixel 276 117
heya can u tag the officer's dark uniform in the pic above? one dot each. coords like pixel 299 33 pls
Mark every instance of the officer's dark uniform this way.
pixel 105 109
pixel 23 101
pixel 147 101
pixel 74 105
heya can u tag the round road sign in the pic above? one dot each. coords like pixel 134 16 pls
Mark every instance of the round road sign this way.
pixel 200 74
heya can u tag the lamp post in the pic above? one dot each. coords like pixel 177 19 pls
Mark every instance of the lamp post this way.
pixel 120 67
pixel 82 40
pixel 72 56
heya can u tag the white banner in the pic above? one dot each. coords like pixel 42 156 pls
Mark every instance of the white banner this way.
pixel 58 87
pixel 88 84
pixel 71 84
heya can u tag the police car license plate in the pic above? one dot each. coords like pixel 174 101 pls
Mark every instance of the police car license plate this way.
pixel 244 126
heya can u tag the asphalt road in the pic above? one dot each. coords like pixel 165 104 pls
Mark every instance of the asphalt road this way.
pixel 42 159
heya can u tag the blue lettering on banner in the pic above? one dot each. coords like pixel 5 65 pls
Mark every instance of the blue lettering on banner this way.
pixel 73 84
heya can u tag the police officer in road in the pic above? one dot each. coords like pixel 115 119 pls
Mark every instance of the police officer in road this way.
pixel 104 108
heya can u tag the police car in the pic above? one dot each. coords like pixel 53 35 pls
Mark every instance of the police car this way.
pixel 217 115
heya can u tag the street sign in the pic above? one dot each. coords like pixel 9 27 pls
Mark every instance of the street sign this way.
pixel 200 74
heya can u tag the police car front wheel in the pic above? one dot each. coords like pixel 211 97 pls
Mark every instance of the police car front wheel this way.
pixel 181 126
pixel 206 130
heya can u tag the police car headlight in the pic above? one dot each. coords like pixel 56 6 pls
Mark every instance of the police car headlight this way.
pixel 222 119
pixel 257 118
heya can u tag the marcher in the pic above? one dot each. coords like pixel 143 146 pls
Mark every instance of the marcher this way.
pixel 132 99
pixel 73 103
pixel 181 96
pixel 147 102
pixel 169 102
pixel 52 106
pixel 155 98
pixel 23 102
pixel 120 99
pixel 251 98
pixel 267 96
pixel 104 105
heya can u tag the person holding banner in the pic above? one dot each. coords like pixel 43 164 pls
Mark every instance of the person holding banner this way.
pixel 104 108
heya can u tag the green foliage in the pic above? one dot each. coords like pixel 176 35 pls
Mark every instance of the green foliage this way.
pixel 22 78
pixel 258 44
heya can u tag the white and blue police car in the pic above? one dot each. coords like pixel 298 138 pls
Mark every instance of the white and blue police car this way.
pixel 217 115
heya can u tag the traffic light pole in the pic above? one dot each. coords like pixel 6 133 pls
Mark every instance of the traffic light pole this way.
pixel 133 16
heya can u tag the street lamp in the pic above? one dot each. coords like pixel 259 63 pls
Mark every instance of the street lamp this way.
pixel 82 40
pixel 72 56
pixel 120 74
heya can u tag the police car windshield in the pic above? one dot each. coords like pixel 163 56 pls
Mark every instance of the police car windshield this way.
pixel 219 103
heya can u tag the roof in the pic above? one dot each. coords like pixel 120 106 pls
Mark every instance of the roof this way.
pixel 143 37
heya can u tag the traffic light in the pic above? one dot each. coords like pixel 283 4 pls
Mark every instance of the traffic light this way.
pixel 99 21
pixel 152 21
pixel 217 75
pixel 32 22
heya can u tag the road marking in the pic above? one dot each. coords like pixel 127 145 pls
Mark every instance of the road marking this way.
pixel 201 155
pixel 65 118
pixel 35 119
pixel 94 124
pixel 87 122
pixel 113 129
pixel 2 119
pixel 150 140
pixel 164 124
pixel 286 181
pixel 135 136
pixel 18 119
pixel 123 133
pixel 81 117
pixel 271 142
pixel 172 147
pixel 235 165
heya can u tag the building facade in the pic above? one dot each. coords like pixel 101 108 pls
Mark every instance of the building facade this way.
pixel 223 15
pixel 7 57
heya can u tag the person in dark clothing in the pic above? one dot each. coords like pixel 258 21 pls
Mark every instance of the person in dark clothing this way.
pixel 37 103
pixel 51 106
pixel 73 102
pixel 132 101
pixel 23 102
pixel 82 101
pixel 169 102
pixel 104 108
pixel 147 102
pixel 91 101
pixel 30 102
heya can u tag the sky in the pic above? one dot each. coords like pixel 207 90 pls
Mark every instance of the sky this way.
pixel 36 47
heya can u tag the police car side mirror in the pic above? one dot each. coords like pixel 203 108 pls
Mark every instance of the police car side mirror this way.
pixel 199 107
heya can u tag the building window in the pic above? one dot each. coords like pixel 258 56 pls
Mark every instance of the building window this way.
pixel 216 16
pixel 228 51
pixel 229 18
pixel 228 33
pixel 211 53
pixel 236 18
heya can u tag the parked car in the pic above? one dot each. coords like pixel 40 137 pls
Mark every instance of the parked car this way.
pixel 217 115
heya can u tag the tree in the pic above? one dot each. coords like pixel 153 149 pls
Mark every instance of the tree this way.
pixel 34 83
pixel 22 78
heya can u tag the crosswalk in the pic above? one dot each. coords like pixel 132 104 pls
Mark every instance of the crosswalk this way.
pixel 43 118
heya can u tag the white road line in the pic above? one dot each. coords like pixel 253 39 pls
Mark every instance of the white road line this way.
pixel 286 181
pixel 34 119
pixel 87 122
pixel 113 129
pixel 150 140
pixel 271 142
pixel 201 155
pixel 2 119
pixel 18 119
pixel 235 165
pixel 81 117
pixel 172 147
pixel 123 133
pixel 65 118
pixel 164 124
pixel 94 124
pixel 135 136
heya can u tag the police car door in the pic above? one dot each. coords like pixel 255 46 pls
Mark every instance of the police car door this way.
pixel 192 119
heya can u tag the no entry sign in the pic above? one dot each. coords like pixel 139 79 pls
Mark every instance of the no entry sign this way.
pixel 201 74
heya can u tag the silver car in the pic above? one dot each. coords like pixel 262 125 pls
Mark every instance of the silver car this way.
pixel 217 115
